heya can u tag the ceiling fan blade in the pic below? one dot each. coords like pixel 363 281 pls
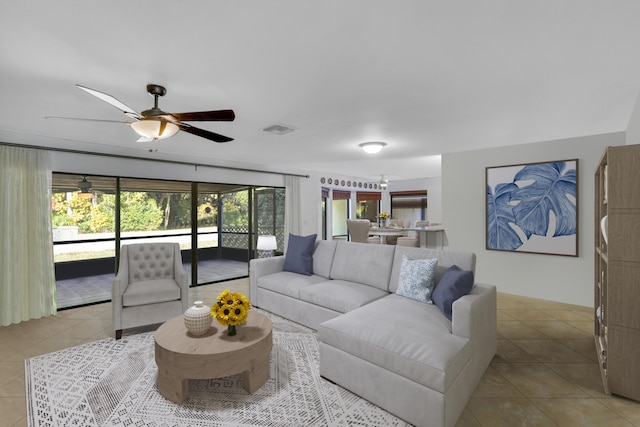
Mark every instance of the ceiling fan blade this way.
pixel 203 133
pixel 88 120
pixel 112 101
pixel 206 116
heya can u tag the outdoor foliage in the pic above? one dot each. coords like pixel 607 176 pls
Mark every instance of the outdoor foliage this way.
pixel 146 211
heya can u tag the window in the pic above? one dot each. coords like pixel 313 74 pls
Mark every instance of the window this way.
pixel 368 205
pixel 409 206
pixel 88 231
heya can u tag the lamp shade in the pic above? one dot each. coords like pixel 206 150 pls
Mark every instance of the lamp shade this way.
pixel 267 243
pixel 151 129
pixel 372 147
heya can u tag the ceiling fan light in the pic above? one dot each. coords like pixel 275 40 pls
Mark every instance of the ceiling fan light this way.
pixel 384 182
pixel 372 147
pixel 151 129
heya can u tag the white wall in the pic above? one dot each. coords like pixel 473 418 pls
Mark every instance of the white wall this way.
pixel 550 277
pixel 633 128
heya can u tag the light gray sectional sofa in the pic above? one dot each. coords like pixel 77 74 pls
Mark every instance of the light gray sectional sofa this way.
pixel 401 354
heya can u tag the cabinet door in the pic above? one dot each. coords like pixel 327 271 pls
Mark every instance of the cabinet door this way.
pixel 623 360
pixel 624 296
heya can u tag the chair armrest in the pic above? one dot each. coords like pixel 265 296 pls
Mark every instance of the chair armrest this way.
pixel 181 277
pixel 259 267
pixel 119 285
pixel 474 317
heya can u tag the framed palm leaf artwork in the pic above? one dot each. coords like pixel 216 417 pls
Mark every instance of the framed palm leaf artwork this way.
pixel 533 208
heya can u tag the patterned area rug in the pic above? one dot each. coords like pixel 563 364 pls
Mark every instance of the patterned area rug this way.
pixel 113 383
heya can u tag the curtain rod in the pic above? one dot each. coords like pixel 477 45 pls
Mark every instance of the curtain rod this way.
pixel 123 156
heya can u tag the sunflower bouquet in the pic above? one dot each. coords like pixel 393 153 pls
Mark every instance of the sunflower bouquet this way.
pixel 382 218
pixel 230 309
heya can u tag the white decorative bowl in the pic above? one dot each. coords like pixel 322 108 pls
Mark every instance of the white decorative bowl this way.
pixel 604 227
pixel 198 318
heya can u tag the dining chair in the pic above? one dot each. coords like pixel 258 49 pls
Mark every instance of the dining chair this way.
pixel 359 231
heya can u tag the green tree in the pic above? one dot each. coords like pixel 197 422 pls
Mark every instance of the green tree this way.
pixel 139 212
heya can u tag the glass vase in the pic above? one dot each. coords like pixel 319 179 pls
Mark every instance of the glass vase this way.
pixel 231 330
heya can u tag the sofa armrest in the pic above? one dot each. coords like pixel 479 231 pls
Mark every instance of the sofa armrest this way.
pixel 259 267
pixel 474 317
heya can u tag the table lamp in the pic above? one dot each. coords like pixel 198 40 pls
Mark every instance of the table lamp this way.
pixel 266 245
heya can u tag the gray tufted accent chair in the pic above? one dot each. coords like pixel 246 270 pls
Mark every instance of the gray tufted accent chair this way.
pixel 151 286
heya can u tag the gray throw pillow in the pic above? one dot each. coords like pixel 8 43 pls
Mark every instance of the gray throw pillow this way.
pixel 299 256
pixel 417 278
pixel 455 283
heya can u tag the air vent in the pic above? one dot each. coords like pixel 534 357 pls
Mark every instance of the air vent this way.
pixel 279 129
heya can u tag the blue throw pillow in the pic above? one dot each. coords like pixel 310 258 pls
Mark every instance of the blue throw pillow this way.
pixel 417 278
pixel 454 284
pixel 299 256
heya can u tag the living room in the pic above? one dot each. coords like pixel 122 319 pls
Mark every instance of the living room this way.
pixel 579 115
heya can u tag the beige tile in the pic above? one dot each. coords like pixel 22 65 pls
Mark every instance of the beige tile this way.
pixel 556 329
pixel 510 353
pixel 538 381
pixel 13 409
pixel 503 315
pixel 580 413
pixel 584 375
pixel 20 423
pixel 467 420
pixel 569 316
pixel 518 329
pixel 584 346
pixel 549 350
pixel 13 388
pixel 528 314
pixel 626 408
pixel 507 412
pixel 494 385
pixel 10 371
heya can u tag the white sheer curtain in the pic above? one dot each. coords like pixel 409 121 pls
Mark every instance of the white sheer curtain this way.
pixel 292 207
pixel 27 278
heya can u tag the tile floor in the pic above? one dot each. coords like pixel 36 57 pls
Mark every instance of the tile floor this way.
pixel 544 374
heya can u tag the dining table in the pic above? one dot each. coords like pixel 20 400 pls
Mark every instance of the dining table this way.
pixel 424 231
pixel 383 232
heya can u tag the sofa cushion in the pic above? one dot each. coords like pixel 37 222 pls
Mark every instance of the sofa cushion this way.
pixel 340 295
pixel 364 263
pixel 455 283
pixel 323 257
pixel 288 283
pixel 464 260
pixel 417 278
pixel 299 256
pixel 150 292
pixel 410 338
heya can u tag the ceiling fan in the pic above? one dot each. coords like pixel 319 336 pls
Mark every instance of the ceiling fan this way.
pixel 154 124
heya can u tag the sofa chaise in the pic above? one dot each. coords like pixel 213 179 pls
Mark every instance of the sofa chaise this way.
pixel 399 353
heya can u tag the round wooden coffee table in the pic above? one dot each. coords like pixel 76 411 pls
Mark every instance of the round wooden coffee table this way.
pixel 181 356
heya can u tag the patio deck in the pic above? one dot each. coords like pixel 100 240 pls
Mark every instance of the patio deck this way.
pixel 94 289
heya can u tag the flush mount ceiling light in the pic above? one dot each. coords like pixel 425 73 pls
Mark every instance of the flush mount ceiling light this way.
pixel 152 129
pixel 85 189
pixel 372 147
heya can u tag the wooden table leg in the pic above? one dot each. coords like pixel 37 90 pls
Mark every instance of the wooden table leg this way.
pixel 172 388
pixel 255 377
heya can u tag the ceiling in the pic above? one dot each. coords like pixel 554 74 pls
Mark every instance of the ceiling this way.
pixel 426 77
